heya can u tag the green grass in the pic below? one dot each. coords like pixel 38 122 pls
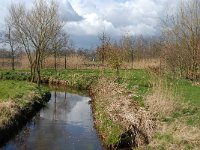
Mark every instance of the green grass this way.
pixel 186 115
pixel 186 89
pixel 189 94
pixel 18 91
pixel 136 81
pixel 13 89
pixel 107 128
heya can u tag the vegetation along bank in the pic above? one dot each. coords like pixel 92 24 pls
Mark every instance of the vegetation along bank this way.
pixel 137 109
pixel 118 117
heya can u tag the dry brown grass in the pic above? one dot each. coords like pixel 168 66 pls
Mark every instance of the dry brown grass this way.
pixel 172 132
pixel 20 63
pixel 116 103
pixel 176 135
pixel 24 63
pixel 8 110
pixel 73 61
pixel 143 64
pixel 78 62
pixel 162 99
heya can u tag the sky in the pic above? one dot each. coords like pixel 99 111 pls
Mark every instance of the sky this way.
pixel 86 19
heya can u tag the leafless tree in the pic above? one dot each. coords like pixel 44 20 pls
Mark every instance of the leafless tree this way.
pixel 115 57
pixel 68 49
pixel 104 46
pixel 181 32
pixel 59 44
pixel 127 44
pixel 8 39
pixel 35 29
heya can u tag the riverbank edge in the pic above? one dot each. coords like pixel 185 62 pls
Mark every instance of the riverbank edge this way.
pixel 22 116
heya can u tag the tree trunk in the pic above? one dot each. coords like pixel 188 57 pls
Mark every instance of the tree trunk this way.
pixel 65 61
pixel 12 49
pixel 55 61
pixel 37 66
pixel 118 75
pixel 39 76
pixel 13 60
pixel 132 59
pixel 33 71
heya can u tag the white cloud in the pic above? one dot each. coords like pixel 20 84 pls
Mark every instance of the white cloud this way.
pixel 118 16
pixel 87 18
pixel 67 13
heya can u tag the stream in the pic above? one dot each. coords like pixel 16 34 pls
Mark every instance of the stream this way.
pixel 66 123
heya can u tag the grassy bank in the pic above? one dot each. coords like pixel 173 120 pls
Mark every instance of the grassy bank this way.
pixel 18 99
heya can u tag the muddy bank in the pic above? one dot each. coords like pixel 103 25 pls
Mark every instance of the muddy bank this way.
pixel 21 116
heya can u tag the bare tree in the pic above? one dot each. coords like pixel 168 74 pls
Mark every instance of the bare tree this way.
pixel 60 42
pixel 69 49
pixel 35 29
pixel 127 44
pixel 182 36
pixel 116 57
pixel 8 38
pixel 104 47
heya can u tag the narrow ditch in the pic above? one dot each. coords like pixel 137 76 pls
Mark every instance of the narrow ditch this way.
pixel 65 123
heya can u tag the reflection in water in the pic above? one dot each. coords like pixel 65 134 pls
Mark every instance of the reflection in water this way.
pixel 65 124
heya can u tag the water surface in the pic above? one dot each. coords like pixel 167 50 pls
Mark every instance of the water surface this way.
pixel 65 124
